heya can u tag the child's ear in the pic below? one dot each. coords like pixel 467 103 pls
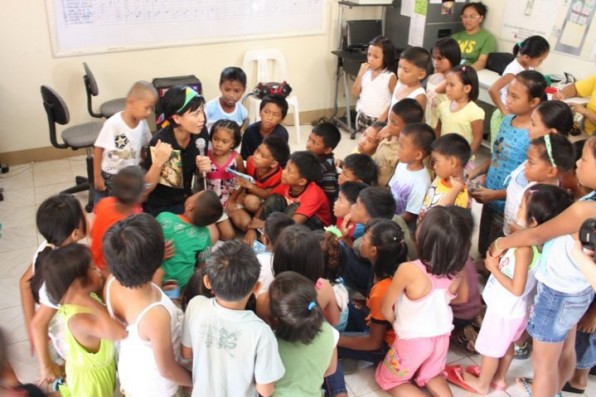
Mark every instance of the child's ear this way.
pixel 419 155
pixel 256 288
pixel 552 172
pixel 328 150
pixel 535 102
pixel 274 164
pixel 421 74
pixel 532 222
pixel 467 88
pixel 302 182
pixel 206 281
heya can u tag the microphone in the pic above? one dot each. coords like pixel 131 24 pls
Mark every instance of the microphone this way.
pixel 201 145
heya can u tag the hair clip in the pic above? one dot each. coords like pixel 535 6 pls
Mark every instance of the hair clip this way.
pixel 549 150
pixel 463 68
pixel 333 230
pixel 311 305
pixel 520 43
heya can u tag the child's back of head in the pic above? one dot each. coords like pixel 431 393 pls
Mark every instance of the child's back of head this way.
pixel 391 249
pixel 453 145
pixel 352 190
pixel 298 249
pixel 378 201
pixel 362 167
pixel 329 133
pixel 555 115
pixel 308 165
pixel 233 271
pixel 293 303
pixel 207 208
pixel 422 136
pixel 233 73
pixel 63 266
pixel 142 89
pixel 275 223
pixel 443 239
pixel 134 249
pixel 128 184
pixel 409 111
pixel 278 147
pixel 333 256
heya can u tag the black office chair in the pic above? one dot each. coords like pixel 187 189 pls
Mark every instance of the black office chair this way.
pixel 107 109
pixel 80 136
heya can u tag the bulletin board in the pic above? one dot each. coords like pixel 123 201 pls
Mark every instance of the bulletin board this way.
pixel 568 25
pixel 97 26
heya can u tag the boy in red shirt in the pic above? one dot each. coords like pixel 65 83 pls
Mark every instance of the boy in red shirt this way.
pixel 297 196
pixel 127 187
pixel 265 166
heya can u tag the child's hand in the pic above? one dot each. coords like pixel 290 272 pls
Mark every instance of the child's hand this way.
pixel 384 133
pixel 162 153
pixel 100 183
pixel 483 195
pixel 491 263
pixel 346 226
pixel 339 163
pixel 457 183
pixel 587 323
pixel 244 183
pixel 203 163
pixel 579 108
pixel 50 372
pixel 170 250
pixel 363 68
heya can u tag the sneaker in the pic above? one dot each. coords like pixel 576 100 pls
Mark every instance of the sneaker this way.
pixel 521 352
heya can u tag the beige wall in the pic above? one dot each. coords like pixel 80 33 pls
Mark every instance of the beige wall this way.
pixel 27 63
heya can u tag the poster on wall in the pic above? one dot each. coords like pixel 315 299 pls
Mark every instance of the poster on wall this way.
pixel 566 24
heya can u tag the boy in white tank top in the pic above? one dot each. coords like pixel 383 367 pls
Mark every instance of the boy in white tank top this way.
pixel 147 364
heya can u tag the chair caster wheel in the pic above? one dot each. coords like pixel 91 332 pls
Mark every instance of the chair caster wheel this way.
pixel 89 208
pixel 353 135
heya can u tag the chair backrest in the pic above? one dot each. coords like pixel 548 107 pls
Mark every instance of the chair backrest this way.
pixel 270 66
pixel 56 111
pixel 90 83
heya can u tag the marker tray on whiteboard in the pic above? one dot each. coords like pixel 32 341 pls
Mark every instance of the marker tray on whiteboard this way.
pixel 163 84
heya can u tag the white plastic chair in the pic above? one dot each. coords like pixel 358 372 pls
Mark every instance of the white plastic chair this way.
pixel 270 66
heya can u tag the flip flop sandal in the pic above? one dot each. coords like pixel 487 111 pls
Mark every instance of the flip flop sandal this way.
pixel 454 375
pixel 525 383
pixel 570 389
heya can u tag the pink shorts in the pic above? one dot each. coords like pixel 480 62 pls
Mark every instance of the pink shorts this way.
pixel 498 333
pixel 420 359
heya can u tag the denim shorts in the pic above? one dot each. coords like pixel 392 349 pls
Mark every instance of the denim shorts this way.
pixel 555 313
pixel 585 348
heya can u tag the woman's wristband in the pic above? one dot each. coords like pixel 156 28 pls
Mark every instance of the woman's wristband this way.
pixel 497 244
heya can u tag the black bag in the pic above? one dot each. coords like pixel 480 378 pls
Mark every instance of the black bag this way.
pixel 163 84
pixel 498 61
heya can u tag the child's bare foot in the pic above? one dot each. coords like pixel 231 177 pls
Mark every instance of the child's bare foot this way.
pixel 475 383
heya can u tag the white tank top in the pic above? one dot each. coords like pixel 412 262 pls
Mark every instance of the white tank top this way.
pixel 428 316
pixel 412 95
pixel 137 368
pixel 375 95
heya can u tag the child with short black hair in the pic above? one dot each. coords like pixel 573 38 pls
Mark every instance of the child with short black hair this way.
pixel 127 188
pixel 450 153
pixel 358 168
pixel 413 67
pixel 122 138
pixel 265 166
pixel 404 112
pixel 306 341
pixel 369 140
pixel 232 85
pixel 190 233
pixel 147 363
pixel 348 194
pixel 411 180
pixel 321 142
pixel 274 224
pixel 273 111
pixel 298 196
pixel 225 341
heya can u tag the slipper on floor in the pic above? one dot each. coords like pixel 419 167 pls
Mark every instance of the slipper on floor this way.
pixel 525 383
pixel 571 389
pixel 475 370
pixel 455 375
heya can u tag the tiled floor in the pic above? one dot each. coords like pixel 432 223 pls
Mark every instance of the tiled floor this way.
pixel 26 186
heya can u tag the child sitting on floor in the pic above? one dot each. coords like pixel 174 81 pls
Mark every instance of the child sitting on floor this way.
pixel 297 196
pixel 190 234
pixel 321 142
pixel 358 167
pixel 265 166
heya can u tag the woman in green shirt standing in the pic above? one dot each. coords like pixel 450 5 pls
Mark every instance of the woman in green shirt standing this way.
pixel 475 43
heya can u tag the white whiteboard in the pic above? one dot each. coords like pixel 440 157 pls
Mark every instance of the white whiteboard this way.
pixel 95 26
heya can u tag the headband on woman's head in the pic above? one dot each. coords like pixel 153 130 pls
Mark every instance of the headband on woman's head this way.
pixel 333 230
pixel 189 95
pixel 549 150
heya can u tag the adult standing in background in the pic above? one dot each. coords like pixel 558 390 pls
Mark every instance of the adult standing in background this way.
pixel 475 43
pixel 585 88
